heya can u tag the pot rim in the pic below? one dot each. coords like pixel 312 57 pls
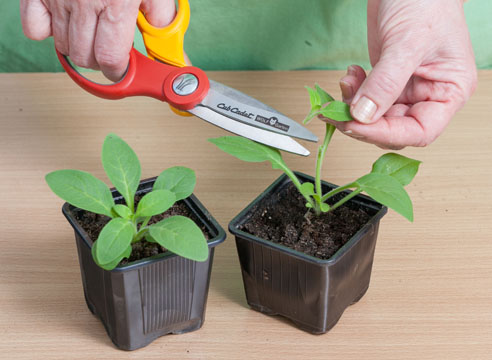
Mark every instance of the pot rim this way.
pixel 192 203
pixel 363 200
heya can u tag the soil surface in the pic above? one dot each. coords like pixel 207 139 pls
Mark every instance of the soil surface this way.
pixel 281 219
pixel 93 224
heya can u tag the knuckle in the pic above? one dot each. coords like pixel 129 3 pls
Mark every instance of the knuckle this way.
pixel 61 46
pixel 109 59
pixel 80 60
pixel 386 84
pixel 427 139
pixel 466 85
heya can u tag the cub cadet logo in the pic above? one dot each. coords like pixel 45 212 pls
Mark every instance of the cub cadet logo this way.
pixel 235 110
pixel 273 122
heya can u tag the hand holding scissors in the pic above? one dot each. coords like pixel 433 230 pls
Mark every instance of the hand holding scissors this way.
pixel 164 76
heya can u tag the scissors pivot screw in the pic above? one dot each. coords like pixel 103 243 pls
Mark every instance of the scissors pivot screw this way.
pixel 185 84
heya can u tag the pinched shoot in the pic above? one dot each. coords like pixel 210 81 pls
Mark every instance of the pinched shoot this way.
pixel 128 224
pixel 384 183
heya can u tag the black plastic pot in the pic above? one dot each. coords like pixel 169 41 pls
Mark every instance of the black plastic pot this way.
pixel 146 299
pixel 311 292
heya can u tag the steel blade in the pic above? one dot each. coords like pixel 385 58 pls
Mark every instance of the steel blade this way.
pixel 281 142
pixel 241 107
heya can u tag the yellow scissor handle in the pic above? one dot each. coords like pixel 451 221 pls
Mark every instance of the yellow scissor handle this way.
pixel 166 44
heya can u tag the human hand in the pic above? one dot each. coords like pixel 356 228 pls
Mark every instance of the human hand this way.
pixel 423 73
pixel 95 34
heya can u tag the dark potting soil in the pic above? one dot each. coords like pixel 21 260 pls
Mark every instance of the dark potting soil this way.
pixel 93 224
pixel 281 219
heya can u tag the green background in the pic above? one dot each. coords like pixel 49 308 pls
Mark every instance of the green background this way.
pixel 254 35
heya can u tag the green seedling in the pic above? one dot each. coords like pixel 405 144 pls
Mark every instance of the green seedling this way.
pixel 128 225
pixel 385 183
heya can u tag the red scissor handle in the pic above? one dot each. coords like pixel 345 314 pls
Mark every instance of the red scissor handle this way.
pixel 145 77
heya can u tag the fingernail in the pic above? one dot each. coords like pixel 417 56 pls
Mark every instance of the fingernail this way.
pixel 351 134
pixel 347 91
pixel 364 110
pixel 351 70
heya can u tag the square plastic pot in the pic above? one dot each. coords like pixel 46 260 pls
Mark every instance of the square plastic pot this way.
pixel 145 299
pixel 311 292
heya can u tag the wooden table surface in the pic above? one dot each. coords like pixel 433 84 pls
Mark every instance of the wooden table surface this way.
pixel 431 289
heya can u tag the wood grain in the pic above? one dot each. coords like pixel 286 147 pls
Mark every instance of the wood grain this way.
pixel 431 290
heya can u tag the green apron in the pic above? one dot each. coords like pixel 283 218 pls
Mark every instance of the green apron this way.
pixel 254 35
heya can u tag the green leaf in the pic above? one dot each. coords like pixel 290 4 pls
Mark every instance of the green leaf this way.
pixel 398 166
pixel 337 110
pixel 388 191
pixel 155 202
pixel 150 238
pixel 122 167
pixel 314 97
pixel 324 207
pixel 122 211
pixel 248 150
pixel 182 236
pixel 113 264
pixel 323 95
pixel 317 97
pixel 113 240
pixel 82 190
pixel 307 189
pixel 178 179
pixel 309 206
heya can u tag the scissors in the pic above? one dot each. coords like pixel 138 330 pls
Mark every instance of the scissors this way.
pixel 164 75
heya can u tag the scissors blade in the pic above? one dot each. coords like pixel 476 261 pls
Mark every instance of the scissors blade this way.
pixel 243 108
pixel 282 142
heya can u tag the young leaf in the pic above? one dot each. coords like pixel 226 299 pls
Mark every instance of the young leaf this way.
pixel 323 95
pixel 398 166
pixel 155 202
pixel 178 179
pixel 182 236
pixel 324 207
pixel 82 190
pixel 122 167
pixel 388 191
pixel 248 150
pixel 122 211
pixel 113 264
pixel 307 189
pixel 314 98
pixel 113 240
pixel 337 110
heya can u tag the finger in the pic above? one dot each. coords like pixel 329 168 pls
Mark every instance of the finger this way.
pixel 403 125
pixel 36 19
pixel 60 18
pixel 351 82
pixel 114 38
pixel 420 89
pixel 187 60
pixel 159 13
pixel 384 85
pixel 82 30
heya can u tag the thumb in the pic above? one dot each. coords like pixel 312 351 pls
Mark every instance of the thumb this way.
pixel 383 85
pixel 36 19
pixel 159 13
